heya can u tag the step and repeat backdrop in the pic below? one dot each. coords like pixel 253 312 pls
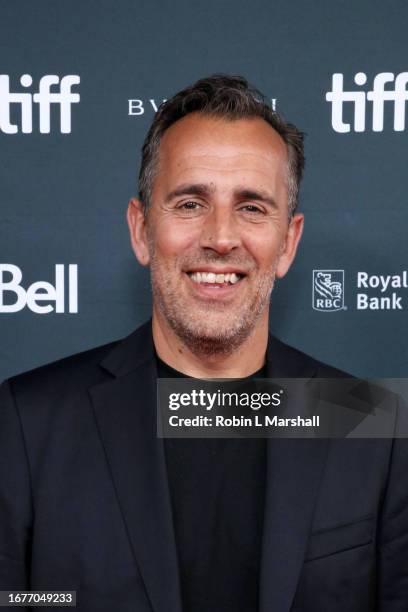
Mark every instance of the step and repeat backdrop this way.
pixel 80 81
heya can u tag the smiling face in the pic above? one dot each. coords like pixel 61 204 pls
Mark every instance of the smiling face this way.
pixel 217 232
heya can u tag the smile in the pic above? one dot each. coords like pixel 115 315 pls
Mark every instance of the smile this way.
pixel 212 278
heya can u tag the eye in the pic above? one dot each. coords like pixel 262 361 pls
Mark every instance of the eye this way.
pixel 190 205
pixel 252 208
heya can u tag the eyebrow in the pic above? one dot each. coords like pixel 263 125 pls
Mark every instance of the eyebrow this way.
pixel 203 190
pixel 257 195
pixel 197 189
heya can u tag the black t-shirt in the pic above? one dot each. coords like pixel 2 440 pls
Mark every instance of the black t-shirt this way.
pixel 217 489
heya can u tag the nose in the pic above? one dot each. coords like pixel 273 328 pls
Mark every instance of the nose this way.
pixel 220 231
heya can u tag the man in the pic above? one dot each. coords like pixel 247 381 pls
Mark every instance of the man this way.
pixel 91 500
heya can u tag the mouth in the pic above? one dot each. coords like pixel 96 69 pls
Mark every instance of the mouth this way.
pixel 215 279
pixel 216 286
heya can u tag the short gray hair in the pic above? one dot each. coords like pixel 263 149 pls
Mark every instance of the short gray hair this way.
pixel 229 97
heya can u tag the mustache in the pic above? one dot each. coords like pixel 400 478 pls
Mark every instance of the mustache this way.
pixel 241 261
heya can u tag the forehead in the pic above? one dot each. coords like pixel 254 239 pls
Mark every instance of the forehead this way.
pixel 198 143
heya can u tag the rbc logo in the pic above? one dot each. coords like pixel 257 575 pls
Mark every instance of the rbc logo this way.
pixel 387 87
pixel 64 97
pixel 328 290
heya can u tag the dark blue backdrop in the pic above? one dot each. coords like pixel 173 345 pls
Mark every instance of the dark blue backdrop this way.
pixel 63 196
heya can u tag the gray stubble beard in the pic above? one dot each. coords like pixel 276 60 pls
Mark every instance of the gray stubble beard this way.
pixel 187 328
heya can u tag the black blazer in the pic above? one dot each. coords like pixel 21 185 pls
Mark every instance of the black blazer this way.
pixel 85 506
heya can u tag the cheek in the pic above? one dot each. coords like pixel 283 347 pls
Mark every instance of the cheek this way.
pixel 173 239
pixel 264 247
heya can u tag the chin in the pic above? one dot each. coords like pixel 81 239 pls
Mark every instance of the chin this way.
pixel 205 340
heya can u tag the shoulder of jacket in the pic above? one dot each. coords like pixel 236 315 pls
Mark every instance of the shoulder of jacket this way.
pixel 294 360
pixel 73 372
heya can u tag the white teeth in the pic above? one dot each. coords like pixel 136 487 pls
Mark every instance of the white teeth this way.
pixel 212 278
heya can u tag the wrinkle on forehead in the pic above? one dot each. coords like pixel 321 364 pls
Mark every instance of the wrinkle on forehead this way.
pixel 238 163
pixel 203 134
pixel 237 160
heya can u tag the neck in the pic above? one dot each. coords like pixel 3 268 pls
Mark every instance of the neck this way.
pixel 249 358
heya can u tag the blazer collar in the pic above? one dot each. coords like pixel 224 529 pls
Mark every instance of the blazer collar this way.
pixel 283 361
pixel 131 352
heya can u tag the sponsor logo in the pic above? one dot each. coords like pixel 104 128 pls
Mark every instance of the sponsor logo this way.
pixel 370 291
pixel 328 290
pixel 383 283
pixel 139 106
pixel 387 87
pixel 41 297
pixel 51 91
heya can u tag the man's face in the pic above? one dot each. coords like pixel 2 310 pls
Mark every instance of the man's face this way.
pixel 217 232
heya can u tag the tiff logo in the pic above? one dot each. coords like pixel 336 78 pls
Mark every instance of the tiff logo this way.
pixel 396 93
pixel 64 97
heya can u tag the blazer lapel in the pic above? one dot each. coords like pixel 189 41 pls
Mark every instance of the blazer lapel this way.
pixel 125 409
pixel 294 471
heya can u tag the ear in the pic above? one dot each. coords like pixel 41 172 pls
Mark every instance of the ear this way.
pixel 290 246
pixel 137 227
